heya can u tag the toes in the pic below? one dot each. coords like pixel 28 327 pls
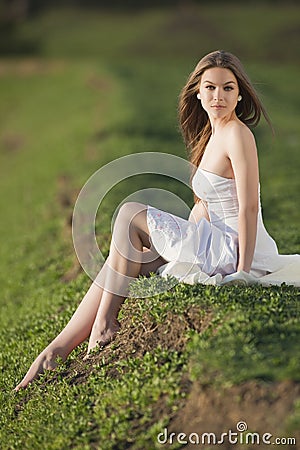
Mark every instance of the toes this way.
pixel 20 386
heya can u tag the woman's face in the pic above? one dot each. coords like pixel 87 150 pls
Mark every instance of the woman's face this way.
pixel 219 92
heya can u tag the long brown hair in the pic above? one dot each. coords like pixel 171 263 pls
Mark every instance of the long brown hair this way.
pixel 193 119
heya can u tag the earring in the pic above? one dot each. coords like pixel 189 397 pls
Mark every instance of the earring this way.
pixel 239 98
pixel 198 96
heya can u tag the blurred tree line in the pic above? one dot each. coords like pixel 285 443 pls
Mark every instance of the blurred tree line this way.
pixel 15 12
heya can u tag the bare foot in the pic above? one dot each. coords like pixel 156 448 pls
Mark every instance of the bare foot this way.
pixel 101 336
pixel 47 360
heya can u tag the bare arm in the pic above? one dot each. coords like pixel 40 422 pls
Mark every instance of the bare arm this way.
pixel 198 211
pixel 243 156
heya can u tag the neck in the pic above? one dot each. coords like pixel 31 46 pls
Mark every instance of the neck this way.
pixel 219 123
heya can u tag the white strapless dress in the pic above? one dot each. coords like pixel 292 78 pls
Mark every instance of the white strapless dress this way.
pixel 206 251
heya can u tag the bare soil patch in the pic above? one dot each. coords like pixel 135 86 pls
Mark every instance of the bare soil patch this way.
pixel 263 406
pixel 28 66
pixel 134 340
pixel 12 142
pixel 66 198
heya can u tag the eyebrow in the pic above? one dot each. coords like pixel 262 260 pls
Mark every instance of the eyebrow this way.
pixel 227 82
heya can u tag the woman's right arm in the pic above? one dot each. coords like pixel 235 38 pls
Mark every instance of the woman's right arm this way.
pixel 198 211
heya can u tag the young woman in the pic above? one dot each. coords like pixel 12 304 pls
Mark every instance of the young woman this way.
pixel 224 236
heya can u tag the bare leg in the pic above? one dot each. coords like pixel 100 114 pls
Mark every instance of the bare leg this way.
pixel 75 332
pixel 80 325
pixel 130 235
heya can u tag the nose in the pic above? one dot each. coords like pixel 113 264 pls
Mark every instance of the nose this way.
pixel 218 95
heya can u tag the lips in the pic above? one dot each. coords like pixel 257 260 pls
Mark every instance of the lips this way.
pixel 218 106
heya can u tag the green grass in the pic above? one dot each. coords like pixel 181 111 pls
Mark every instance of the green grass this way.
pixel 102 86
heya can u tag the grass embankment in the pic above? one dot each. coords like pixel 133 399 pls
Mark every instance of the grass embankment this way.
pixel 193 358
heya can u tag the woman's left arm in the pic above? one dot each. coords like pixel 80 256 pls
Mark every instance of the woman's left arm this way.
pixel 243 156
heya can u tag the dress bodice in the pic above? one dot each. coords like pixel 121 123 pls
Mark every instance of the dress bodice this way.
pixel 220 196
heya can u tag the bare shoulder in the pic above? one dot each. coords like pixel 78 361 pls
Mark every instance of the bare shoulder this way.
pixel 239 137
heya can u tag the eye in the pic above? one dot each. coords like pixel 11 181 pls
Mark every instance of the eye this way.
pixel 210 87
pixel 228 88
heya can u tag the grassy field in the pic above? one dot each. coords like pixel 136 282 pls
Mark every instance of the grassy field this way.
pixel 198 359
